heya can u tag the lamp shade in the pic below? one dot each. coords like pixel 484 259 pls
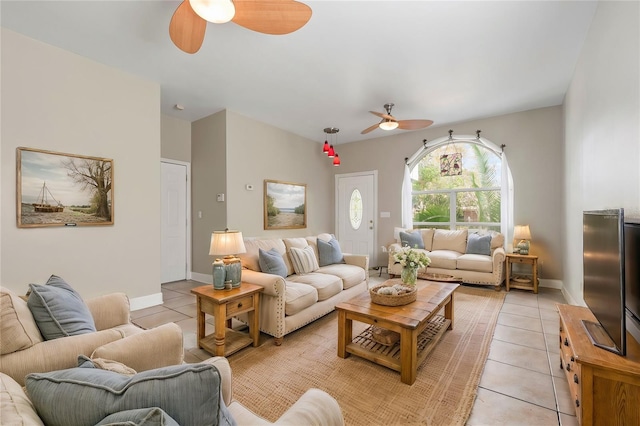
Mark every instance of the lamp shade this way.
pixel 216 11
pixel 332 152
pixel 226 242
pixel 522 232
pixel 325 147
pixel 388 125
pixel 336 160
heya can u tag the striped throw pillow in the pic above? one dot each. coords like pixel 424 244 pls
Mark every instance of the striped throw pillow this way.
pixel 303 260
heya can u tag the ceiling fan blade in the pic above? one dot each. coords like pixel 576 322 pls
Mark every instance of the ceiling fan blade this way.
pixel 414 124
pixel 186 29
pixel 369 129
pixel 274 17
pixel 382 115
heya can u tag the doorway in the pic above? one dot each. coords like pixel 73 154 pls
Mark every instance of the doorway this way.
pixel 176 225
pixel 356 207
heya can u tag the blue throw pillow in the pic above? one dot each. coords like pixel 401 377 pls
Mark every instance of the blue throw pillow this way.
pixel 272 262
pixel 329 252
pixel 189 393
pixel 477 244
pixel 411 239
pixel 58 310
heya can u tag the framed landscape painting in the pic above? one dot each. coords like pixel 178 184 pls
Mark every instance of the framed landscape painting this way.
pixel 57 189
pixel 285 205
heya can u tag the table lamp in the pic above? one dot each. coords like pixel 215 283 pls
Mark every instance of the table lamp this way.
pixel 523 234
pixel 228 243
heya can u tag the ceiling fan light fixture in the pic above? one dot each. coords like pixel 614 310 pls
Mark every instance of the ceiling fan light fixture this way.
pixel 388 125
pixel 216 11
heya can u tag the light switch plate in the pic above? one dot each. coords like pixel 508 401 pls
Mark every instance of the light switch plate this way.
pixel 220 197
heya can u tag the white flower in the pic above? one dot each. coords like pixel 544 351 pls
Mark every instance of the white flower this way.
pixel 411 258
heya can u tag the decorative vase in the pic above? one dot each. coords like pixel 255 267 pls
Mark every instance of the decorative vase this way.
pixel 409 275
pixel 218 274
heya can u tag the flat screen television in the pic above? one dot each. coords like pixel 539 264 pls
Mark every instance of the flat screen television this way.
pixel 604 278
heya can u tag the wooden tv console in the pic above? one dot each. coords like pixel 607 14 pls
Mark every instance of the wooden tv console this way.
pixel 605 387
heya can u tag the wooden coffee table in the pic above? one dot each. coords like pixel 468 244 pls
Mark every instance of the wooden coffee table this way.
pixel 418 323
pixel 223 305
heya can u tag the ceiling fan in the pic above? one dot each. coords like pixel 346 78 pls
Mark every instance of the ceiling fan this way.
pixel 389 122
pixel 275 17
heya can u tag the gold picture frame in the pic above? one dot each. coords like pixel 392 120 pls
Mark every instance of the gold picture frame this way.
pixel 285 205
pixel 59 189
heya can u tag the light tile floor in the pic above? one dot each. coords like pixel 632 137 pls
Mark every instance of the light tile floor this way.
pixel 522 383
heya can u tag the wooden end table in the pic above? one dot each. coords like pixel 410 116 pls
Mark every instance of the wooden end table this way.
pixel 525 259
pixel 410 321
pixel 223 305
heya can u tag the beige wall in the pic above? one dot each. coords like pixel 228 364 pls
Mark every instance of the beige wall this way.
pixel 533 142
pixel 58 101
pixel 208 178
pixel 175 138
pixel 231 151
pixel 602 136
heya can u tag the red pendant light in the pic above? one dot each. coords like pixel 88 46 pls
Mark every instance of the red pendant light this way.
pixel 331 152
pixel 336 160
pixel 325 148
pixel 328 148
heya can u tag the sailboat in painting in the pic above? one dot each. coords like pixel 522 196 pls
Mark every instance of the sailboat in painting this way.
pixel 43 205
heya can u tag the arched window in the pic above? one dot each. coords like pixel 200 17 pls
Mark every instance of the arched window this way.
pixel 459 183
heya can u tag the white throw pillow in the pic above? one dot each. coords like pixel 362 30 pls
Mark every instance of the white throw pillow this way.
pixel 303 260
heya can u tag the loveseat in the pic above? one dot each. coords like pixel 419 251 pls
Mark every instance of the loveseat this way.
pixel 473 257
pixel 303 279
pixel 314 407
pixel 24 350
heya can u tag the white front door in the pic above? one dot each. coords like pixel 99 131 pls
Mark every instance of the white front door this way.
pixel 356 206
pixel 174 222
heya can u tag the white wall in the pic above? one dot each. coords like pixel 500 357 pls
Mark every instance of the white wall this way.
pixel 58 101
pixel 175 136
pixel 602 136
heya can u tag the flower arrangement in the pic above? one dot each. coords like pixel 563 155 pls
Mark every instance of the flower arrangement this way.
pixel 410 258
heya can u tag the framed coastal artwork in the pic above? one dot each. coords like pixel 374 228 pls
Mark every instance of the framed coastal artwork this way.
pixel 58 189
pixel 285 205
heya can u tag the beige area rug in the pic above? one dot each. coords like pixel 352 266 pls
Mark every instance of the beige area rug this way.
pixel 269 379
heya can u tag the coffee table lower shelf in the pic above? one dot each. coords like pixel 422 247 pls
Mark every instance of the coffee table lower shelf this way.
pixel 365 347
pixel 233 342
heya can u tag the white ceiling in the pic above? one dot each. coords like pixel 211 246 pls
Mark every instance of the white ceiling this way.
pixel 447 61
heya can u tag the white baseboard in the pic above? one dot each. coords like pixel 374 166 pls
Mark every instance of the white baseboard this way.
pixel 145 301
pixel 550 283
pixel 202 278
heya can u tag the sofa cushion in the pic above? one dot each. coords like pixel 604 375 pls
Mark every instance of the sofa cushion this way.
pixel 15 406
pixel 445 259
pixel 475 262
pixel 18 329
pixel 303 260
pixel 59 310
pixel 479 244
pixel 295 242
pixel 325 285
pixel 329 252
pixel 152 416
pixel 272 262
pixel 427 238
pixel 351 275
pixel 450 240
pixel 298 296
pixel 411 239
pixel 250 259
pixel 189 393
pixel 497 240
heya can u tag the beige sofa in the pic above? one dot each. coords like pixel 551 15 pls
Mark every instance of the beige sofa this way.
pixel 299 299
pixel 25 351
pixel 314 407
pixel 448 253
